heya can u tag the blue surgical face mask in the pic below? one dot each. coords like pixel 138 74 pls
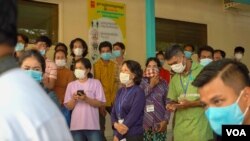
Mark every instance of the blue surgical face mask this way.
pixel 205 61
pixel 162 62
pixel 188 54
pixel 117 53
pixel 218 116
pixel 42 52
pixel 106 56
pixel 36 75
pixel 19 47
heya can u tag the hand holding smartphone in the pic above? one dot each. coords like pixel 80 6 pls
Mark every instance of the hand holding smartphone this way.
pixel 80 92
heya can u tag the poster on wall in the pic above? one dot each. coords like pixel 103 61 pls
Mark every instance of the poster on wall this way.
pixel 106 21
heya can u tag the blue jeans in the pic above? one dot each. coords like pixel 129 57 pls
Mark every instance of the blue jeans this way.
pixel 67 114
pixel 87 135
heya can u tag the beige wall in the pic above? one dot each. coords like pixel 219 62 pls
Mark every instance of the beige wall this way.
pixel 226 29
pixel 73 23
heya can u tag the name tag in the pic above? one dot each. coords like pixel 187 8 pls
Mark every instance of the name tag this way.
pixel 123 139
pixel 120 121
pixel 150 108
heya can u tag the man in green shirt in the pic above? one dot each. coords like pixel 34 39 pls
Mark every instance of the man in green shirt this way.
pixel 190 123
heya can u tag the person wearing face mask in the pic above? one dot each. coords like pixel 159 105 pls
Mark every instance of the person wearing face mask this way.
pixel 205 55
pixel 190 123
pixel 224 87
pixel 155 116
pixel 79 49
pixel 64 75
pixel 238 53
pixel 43 44
pixel 22 43
pixel 105 71
pixel 164 73
pixel 34 65
pixel 188 51
pixel 128 110
pixel 118 53
pixel 84 96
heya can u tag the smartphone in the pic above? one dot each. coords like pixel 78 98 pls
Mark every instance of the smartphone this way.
pixel 80 92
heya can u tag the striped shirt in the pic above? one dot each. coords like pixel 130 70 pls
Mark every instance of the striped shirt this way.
pixel 157 97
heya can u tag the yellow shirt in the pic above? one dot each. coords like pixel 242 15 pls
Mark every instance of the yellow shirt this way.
pixel 106 73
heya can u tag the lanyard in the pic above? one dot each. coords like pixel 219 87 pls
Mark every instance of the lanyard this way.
pixel 182 85
pixel 122 100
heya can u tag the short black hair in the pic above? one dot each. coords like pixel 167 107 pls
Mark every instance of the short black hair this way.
pixel 223 53
pixel 86 64
pixel 8 20
pixel 173 51
pixel 60 50
pixel 234 74
pixel 157 61
pixel 136 69
pixel 159 53
pixel 84 45
pixel 33 53
pixel 24 37
pixel 62 45
pixel 120 44
pixel 105 44
pixel 205 48
pixel 239 49
pixel 44 39
pixel 189 45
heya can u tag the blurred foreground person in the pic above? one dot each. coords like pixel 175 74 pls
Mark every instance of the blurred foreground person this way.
pixel 224 87
pixel 26 112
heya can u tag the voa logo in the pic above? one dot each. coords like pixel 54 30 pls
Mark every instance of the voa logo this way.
pixel 236 132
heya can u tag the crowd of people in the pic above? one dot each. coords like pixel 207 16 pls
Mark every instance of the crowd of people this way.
pixel 47 99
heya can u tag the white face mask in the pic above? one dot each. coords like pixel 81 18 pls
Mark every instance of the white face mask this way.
pixel 78 51
pixel 178 68
pixel 124 78
pixel 80 74
pixel 205 61
pixel 60 63
pixel 238 56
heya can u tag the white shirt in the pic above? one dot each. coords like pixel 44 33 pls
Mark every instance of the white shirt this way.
pixel 27 113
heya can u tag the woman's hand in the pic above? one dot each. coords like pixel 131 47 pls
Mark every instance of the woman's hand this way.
pixel 162 126
pixel 115 139
pixel 103 111
pixel 82 97
pixel 121 128
pixel 154 81
pixel 75 97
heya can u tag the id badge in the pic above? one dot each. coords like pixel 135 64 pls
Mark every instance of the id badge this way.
pixel 123 139
pixel 150 108
pixel 120 121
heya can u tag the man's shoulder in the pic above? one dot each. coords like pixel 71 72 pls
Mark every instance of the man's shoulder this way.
pixel 98 62
pixel 196 66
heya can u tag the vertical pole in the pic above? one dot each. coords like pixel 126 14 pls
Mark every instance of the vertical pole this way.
pixel 150 28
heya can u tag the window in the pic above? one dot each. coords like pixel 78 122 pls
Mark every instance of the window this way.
pixel 169 32
pixel 38 18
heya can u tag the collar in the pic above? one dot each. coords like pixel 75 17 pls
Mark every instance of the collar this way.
pixel 102 62
pixel 7 62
